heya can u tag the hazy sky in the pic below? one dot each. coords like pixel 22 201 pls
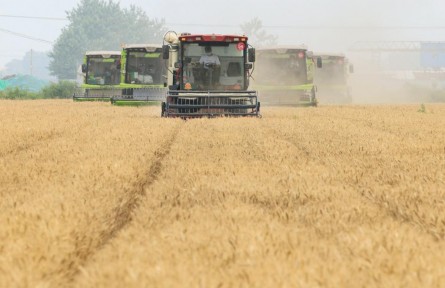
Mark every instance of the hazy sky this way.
pixel 317 23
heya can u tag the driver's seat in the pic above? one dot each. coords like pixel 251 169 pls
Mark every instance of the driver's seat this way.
pixel 234 69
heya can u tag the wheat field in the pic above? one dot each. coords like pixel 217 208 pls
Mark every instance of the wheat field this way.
pixel 337 196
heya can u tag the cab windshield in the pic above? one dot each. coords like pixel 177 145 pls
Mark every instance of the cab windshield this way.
pixel 145 67
pixel 103 71
pixel 274 67
pixel 213 66
pixel 333 71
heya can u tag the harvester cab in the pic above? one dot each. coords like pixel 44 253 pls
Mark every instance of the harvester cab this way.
pixel 285 76
pixel 101 76
pixel 210 76
pixel 332 80
pixel 143 75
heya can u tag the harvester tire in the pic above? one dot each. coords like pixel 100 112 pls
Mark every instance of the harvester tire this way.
pixel 314 97
pixel 163 109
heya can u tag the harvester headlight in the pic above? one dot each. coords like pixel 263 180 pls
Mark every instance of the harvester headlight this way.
pixel 188 86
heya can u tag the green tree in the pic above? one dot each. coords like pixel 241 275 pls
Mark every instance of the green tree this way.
pixel 100 25
pixel 257 34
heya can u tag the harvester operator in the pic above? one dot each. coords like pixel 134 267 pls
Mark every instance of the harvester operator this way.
pixel 211 68
pixel 209 59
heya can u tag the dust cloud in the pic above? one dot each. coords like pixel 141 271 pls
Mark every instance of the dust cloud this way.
pixel 377 81
pixel 384 48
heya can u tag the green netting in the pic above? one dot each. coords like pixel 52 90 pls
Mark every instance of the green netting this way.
pixel 25 82
pixel 3 85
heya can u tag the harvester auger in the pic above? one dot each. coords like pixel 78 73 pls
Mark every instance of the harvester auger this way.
pixel 210 76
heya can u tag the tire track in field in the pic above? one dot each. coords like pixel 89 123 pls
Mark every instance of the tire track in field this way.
pixel 388 207
pixel 123 213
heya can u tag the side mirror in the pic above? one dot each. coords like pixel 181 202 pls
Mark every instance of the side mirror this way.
pixel 248 66
pixel 165 52
pixel 84 68
pixel 351 68
pixel 319 62
pixel 251 54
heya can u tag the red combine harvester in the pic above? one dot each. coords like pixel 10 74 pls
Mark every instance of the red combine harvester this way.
pixel 211 76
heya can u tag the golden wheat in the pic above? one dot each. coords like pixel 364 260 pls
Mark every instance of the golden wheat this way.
pixel 325 197
pixel 61 196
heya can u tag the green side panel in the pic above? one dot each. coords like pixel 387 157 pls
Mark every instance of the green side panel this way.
pixel 123 65
pixel 310 67
pixel 127 86
pixel 93 87
pixel 91 99
pixel 135 103
pixel 152 55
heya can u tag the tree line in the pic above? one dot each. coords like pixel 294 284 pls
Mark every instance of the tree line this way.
pixel 104 25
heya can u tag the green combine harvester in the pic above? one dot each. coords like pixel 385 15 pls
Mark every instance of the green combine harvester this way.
pixel 332 80
pixel 101 76
pixel 143 76
pixel 284 76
